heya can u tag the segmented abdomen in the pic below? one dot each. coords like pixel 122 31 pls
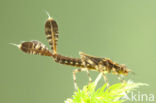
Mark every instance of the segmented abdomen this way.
pixel 68 61
pixel 77 62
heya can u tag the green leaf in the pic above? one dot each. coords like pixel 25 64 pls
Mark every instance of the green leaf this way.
pixel 113 94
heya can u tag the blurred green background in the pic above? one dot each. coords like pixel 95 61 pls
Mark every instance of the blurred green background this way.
pixel 123 30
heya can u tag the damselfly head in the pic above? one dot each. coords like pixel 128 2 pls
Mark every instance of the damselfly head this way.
pixel 124 70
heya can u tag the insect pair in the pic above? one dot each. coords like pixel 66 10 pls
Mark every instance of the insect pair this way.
pixel 84 63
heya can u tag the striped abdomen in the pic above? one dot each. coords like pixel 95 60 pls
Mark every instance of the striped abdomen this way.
pixel 77 62
pixel 67 60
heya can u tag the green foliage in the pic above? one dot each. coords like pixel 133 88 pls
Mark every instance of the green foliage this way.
pixel 116 93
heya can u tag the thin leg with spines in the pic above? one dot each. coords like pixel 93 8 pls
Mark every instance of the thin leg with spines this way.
pixel 121 78
pixel 87 71
pixel 105 79
pixel 74 77
pixel 83 58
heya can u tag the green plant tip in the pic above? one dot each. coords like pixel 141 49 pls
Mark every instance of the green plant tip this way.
pixel 116 93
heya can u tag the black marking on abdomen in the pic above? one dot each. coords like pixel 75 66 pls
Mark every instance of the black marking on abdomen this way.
pixel 68 61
